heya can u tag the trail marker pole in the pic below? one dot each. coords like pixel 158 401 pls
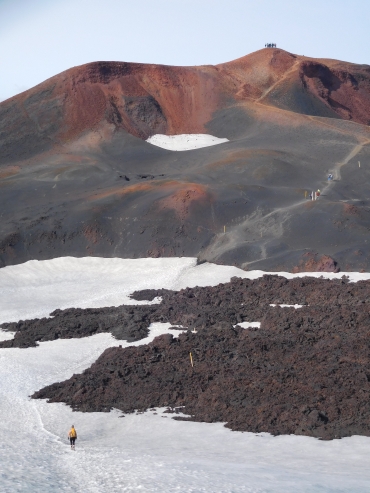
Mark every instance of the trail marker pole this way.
pixel 191 360
pixel 224 229
pixel 305 194
pixel 359 164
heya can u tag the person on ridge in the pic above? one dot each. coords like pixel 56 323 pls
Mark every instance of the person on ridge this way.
pixel 72 436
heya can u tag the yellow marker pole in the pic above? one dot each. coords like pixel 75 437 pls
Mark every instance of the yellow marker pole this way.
pixel 191 360
pixel 305 194
pixel 224 229
pixel 359 164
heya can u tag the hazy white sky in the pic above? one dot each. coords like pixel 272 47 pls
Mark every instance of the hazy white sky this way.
pixel 40 38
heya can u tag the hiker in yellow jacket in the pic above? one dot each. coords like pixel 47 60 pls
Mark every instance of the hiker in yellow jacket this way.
pixel 72 435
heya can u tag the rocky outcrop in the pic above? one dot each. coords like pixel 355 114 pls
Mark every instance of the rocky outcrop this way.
pixel 314 263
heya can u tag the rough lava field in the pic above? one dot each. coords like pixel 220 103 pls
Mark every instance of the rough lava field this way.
pixel 303 371
pixel 168 285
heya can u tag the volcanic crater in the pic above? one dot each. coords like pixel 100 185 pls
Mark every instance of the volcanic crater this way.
pixel 80 138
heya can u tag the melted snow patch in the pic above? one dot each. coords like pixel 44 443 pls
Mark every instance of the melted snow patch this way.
pixel 286 306
pixel 159 328
pixel 249 325
pixel 184 142
pixel 5 335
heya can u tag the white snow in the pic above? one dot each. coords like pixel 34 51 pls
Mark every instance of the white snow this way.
pixel 286 306
pixel 352 276
pixel 36 288
pixel 6 336
pixel 184 142
pixel 146 452
pixel 248 325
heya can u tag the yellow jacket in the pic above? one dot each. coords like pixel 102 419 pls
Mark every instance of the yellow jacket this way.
pixel 72 433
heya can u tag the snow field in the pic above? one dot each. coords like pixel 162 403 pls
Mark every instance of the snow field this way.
pixel 148 452
pixel 145 452
pixel 36 288
pixel 184 142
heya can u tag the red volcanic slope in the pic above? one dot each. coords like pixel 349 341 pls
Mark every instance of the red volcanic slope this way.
pixel 339 87
pixel 149 99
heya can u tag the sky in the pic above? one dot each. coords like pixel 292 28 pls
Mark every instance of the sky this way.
pixel 41 38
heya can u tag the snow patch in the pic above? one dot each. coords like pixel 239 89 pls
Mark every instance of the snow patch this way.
pixel 36 288
pixel 286 306
pixel 184 142
pixel 159 328
pixel 6 335
pixel 249 325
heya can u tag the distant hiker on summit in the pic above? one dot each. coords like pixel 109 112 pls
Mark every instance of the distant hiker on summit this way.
pixel 72 436
pixel 270 45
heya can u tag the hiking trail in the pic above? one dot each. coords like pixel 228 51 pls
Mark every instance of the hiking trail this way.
pixel 275 84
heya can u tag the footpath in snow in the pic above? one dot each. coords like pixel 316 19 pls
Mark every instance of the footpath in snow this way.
pixel 146 452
